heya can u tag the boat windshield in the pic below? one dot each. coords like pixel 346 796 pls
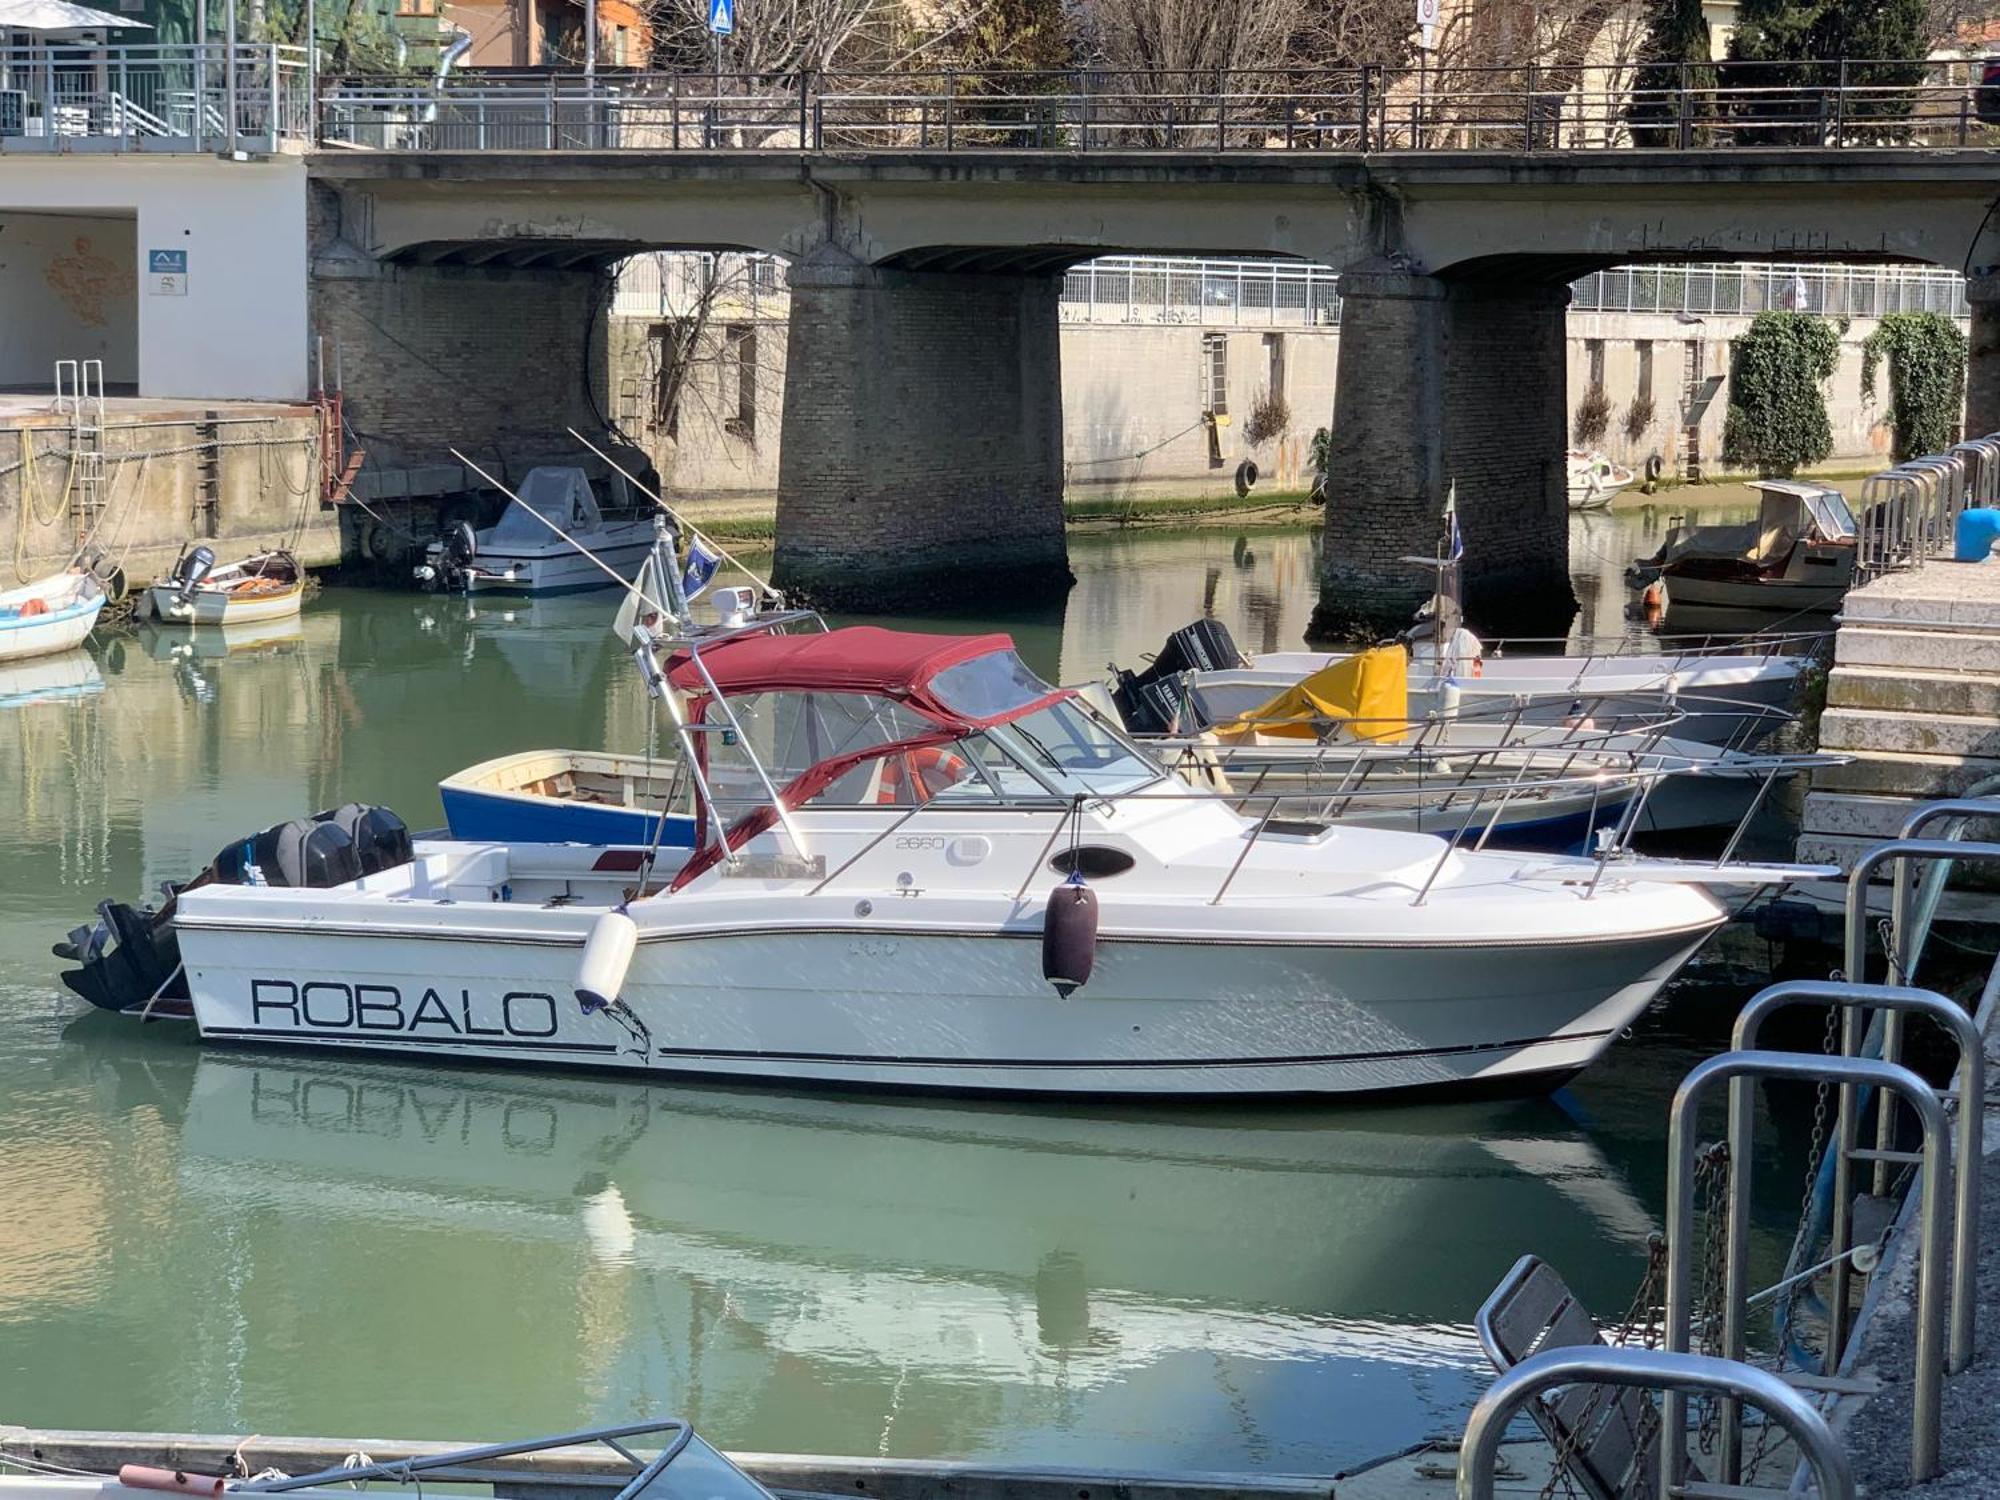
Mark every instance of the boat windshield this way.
pixel 1072 752
pixel 1831 515
pixel 987 686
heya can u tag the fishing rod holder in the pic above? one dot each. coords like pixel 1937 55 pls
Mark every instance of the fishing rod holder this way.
pixel 1675 1374
pixel 1740 1068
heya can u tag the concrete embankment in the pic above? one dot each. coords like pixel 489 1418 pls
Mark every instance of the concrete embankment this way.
pixel 242 474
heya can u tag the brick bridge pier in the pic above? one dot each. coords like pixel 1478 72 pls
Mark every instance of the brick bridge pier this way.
pixel 921 456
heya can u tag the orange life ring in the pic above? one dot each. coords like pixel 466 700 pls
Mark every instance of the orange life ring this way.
pixel 34 607
pixel 925 772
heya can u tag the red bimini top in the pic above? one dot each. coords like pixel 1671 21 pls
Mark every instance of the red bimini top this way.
pixel 898 664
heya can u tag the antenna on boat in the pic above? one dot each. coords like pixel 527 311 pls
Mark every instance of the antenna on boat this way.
pixel 676 517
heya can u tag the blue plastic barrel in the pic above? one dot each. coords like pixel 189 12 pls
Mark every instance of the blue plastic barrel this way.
pixel 1978 530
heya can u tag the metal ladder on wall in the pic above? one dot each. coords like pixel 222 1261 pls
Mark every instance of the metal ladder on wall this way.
pixel 80 397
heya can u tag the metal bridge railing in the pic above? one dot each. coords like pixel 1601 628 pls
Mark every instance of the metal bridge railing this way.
pixel 81 97
pixel 1262 293
pixel 1530 108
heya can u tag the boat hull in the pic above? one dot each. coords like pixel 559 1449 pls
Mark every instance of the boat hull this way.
pixel 563 572
pixel 46 634
pixel 1771 596
pixel 218 607
pixel 868 1005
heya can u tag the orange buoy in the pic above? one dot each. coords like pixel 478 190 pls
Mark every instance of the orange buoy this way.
pixel 34 607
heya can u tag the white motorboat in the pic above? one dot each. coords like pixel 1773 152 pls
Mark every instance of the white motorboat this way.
pixel 892 829
pixel 267 586
pixel 49 615
pixel 552 538
pixel 1797 557
pixel 1726 692
pixel 1594 480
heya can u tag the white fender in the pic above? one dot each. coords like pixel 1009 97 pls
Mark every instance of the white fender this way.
pixel 607 958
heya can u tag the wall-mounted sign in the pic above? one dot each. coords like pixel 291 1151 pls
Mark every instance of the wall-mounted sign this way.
pixel 167 273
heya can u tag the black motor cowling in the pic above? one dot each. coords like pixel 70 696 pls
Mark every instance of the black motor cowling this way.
pixel 461 544
pixel 195 564
pixel 301 854
pixel 1153 701
pixel 381 839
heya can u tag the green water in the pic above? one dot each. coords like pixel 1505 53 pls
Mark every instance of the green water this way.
pixel 247 1242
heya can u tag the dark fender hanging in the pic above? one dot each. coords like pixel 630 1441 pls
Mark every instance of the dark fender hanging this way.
pixel 1069 936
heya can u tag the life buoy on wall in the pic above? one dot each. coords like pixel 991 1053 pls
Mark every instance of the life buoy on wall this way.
pixel 923 773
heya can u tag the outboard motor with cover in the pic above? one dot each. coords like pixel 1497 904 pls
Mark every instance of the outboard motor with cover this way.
pixel 1152 701
pixel 302 854
pixel 195 565
pixel 381 839
pixel 129 959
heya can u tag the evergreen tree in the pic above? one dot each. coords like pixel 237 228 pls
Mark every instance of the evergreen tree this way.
pixel 1796 47
pixel 1675 52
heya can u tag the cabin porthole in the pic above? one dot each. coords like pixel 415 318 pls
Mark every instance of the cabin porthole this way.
pixel 1097 861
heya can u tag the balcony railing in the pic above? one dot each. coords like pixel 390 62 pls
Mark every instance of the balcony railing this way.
pixel 62 97
pixel 1515 109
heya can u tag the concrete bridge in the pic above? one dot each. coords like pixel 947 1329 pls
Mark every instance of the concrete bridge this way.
pixel 922 444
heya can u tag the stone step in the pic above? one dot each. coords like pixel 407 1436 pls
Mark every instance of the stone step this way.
pixel 1873 816
pixel 1941 595
pixel 1886 774
pixel 1907 733
pixel 1907 689
pixel 1917 650
pixel 1844 850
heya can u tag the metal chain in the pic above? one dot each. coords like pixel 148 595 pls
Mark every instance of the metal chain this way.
pixel 1712 1184
pixel 1642 1320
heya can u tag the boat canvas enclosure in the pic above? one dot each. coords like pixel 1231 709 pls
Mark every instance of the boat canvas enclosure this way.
pixel 561 496
pixel 1791 511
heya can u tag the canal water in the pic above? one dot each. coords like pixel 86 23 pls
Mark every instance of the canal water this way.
pixel 255 1242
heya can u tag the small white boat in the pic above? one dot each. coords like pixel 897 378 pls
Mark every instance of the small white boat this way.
pixel 523 552
pixel 1594 480
pixel 266 586
pixel 1797 557
pixel 571 797
pixel 49 615
pixel 1732 691
pixel 880 894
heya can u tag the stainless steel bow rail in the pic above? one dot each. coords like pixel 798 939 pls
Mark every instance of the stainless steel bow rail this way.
pixel 1532 108
pixel 1651 1369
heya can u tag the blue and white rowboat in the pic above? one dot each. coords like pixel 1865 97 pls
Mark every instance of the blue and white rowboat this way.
pixel 569 797
pixel 49 615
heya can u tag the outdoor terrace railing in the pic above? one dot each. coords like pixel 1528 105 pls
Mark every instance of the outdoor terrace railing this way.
pixel 1835 104
pixel 63 97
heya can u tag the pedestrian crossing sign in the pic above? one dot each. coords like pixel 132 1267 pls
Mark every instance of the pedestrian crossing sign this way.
pixel 722 16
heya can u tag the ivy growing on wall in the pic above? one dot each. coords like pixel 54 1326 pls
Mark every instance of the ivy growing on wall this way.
pixel 1926 354
pixel 1777 421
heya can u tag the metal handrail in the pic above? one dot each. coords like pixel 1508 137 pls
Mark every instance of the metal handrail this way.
pixel 1970 1085
pixel 1850 1073
pixel 1646 1369
pixel 1832 104
pixel 404 1469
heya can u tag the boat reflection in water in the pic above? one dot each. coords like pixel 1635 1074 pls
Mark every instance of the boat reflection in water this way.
pixel 862 1275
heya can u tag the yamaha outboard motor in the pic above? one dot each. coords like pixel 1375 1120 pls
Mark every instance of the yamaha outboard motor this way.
pixel 461 544
pixel 1154 701
pixel 193 567
pixel 301 854
pixel 381 839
